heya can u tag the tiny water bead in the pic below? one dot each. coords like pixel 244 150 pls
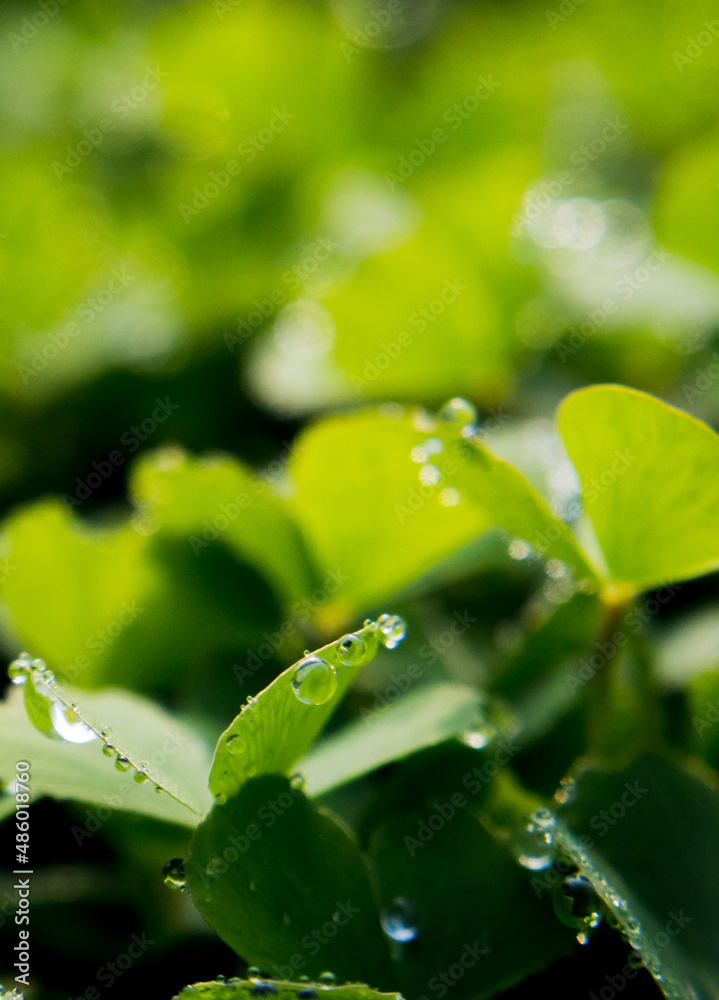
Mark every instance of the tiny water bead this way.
pixel 263 989
pixel 140 777
pixel 122 763
pixel 459 411
pixel 20 668
pixel 351 650
pixel 399 920
pixel 567 792
pixel 235 743
pixel 254 972
pixel 314 681
pixel 68 726
pixel 533 847
pixel 479 736
pixel 174 874
pixel 392 629
pixel 328 978
pixel 297 781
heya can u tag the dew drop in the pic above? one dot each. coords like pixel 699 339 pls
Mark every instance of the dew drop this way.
pixel 263 989
pixel 297 781
pixel 459 411
pixel 433 446
pixel 518 549
pixel 108 750
pixel 399 920
pixel 583 938
pixel 122 763
pixel 449 497
pixel 544 818
pixel 429 475
pixel 174 873
pixel 479 737
pixel 140 777
pixel 253 972
pixel 19 669
pixel 351 650
pixel 314 681
pixel 392 629
pixel 328 978
pixel 158 789
pixel 532 847
pixel 220 799
pixel 235 743
pixel 67 725
pixel 419 454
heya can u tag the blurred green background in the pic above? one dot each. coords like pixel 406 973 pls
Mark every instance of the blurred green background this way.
pixel 220 220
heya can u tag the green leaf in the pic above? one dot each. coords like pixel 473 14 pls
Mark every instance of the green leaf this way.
pixel 235 989
pixel 688 649
pixel 472 904
pixel 275 729
pixel 423 718
pixel 650 484
pixel 284 884
pixel 174 756
pixel 68 581
pixel 646 838
pixel 372 521
pixel 216 498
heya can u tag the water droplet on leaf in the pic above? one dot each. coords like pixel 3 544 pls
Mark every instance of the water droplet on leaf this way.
pixel 328 978
pixel 221 798
pixel 108 750
pixel 263 989
pixel 459 411
pixel 67 725
pixel 532 847
pixel 393 629
pixel 254 972
pixel 140 777
pixel 235 743
pixel 351 650
pixel 174 873
pixel 297 781
pixel 479 737
pixel 122 763
pixel 399 920
pixel 314 681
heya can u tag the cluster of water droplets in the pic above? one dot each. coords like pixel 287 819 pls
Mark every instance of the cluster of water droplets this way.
pixel 261 985
pixel 314 680
pixel 65 719
pixel 459 412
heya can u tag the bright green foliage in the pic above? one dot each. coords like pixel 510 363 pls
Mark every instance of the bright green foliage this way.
pixel 648 473
pixel 403 523
pixel 275 729
pixel 268 868
pixel 430 715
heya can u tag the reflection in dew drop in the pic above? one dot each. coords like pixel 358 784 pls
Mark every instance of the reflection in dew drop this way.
pixel 122 763
pixel 140 777
pixel 174 874
pixel 429 475
pixel 399 920
pixel 459 411
pixel 532 847
pixel 234 743
pixel 314 681
pixel 351 650
pixel 449 497
pixel 419 454
pixel 108 750
pixel 67 725
pixel 479 737
pixel 392 629
pixel 518 549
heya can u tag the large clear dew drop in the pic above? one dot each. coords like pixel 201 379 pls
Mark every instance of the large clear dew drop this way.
pixel 459 411
pixel 314 681
pixel 351 650
pixel 533 847
pixel 68 726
